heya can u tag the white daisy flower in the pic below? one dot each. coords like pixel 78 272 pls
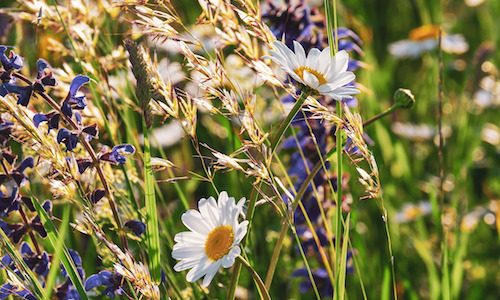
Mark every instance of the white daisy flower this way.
pixel 318 70
pixel 213 240
pixel 425 39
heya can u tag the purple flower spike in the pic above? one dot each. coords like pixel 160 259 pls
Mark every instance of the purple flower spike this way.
pixel 137 227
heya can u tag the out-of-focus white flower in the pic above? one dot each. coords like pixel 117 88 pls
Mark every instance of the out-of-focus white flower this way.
pixel 410 212
pixel 474 3
pixel 171 71
pixel 213 238
pixel 491 134
pixel 318 70
pixel 167 135
pixel 488 94
pixel 424 39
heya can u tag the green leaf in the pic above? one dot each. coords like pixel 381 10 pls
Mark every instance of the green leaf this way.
pixel 53 237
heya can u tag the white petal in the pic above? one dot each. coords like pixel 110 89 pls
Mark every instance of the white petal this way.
pixel 325 61
pixel 187 252
pixel 186 264
pixel 194 221
pixel 189 237
pixel 290 57
pixel 300 53
pixel 228 260
pixel 341 61
pixel 311 80
pixel 198 271
pixel 209 211
pixel 344 79
pixel 313 59
pixel 241 231
pixel 211 272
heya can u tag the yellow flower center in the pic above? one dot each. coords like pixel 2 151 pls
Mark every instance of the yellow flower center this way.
pixel 424 32
pixel 300 71
pixel 219 242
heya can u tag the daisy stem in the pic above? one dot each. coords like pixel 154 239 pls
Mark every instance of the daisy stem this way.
pixel 264 294
pixel 331 16
pixel 291 115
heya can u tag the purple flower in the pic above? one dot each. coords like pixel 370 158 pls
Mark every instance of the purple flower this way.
pixel 44 76
pixel 10 62
pixel 23 92
pixel 8 289
pixel 38 263
pixel 68 138
pixel 97 195
pixel 52 119
pixel 83 164
pixel 321 279
pixel 137 227
pixel 111 281
pixel 5 130
pixel 75 100
pixel 18 230
pixel 116 155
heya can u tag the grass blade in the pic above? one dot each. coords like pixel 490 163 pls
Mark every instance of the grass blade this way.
pixel 153 234
pixel 343 260
pixel 66 259
pixel 56 257
pixel 6 244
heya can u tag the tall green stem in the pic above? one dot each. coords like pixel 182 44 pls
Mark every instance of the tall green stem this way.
pixel 273 144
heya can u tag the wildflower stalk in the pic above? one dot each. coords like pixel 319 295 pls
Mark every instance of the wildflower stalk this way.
pixel 137 57
pixel 95 161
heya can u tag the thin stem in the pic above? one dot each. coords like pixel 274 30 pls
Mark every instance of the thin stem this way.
pixel 389 247
pixel 237 266
pixel 30 232
pixel 258 281
pixel 93 156
pixel 291 115
pixel 380 115
pixel 275 256
pixel 338 215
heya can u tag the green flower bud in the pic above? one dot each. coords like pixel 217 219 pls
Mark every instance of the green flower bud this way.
pixel 404 98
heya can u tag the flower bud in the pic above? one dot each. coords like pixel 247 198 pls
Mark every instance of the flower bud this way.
pixel 404 98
